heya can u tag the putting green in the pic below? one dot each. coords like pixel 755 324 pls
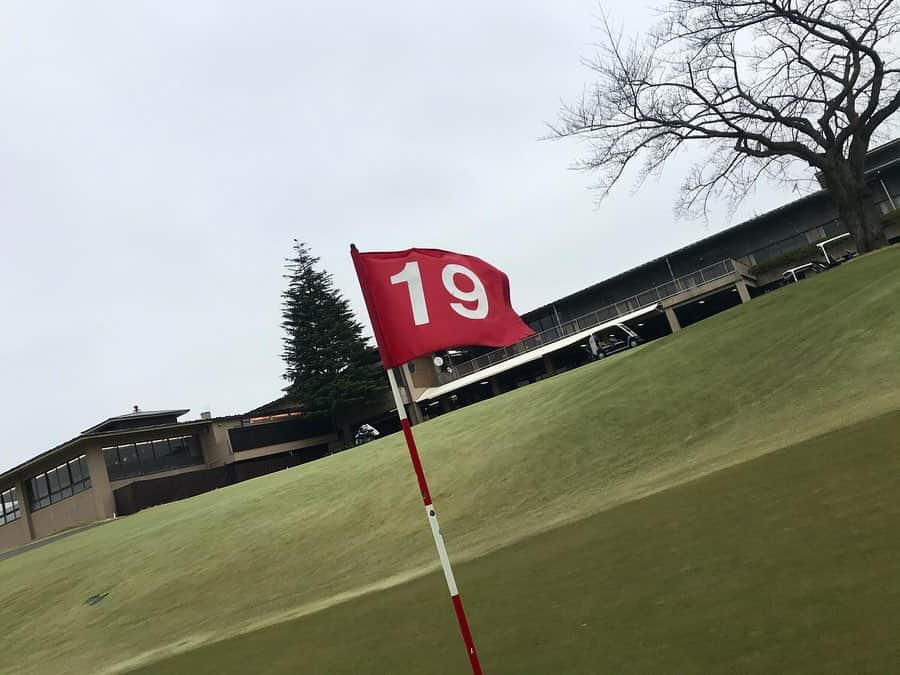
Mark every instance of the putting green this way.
pixel 787 367
pixel 783 564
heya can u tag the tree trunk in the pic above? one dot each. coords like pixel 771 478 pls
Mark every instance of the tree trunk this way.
pixel 856 208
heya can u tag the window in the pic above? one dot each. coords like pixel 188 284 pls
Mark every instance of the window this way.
pixel 544 323
pixel 59 483
pixel 128 457
pixel 145 456
pixel 9 506
pixel 781 248
pixel 162 450
pixel 162 454
pixel 833 228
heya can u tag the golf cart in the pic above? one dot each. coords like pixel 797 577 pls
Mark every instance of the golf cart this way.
pixel 616 338
pixel 832 259
pixel 795 274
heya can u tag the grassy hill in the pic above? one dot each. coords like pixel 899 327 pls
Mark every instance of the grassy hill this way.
pixel 576 449
pixel 782 564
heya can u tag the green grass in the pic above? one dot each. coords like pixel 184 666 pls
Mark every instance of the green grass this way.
pixel 783 564
pixel 807 360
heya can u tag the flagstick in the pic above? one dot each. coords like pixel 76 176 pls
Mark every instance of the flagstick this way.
pixel 435 528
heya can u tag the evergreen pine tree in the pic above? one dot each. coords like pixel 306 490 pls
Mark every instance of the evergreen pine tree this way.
pixel 329 363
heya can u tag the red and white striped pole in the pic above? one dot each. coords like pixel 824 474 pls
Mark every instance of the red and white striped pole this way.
pixel 435 528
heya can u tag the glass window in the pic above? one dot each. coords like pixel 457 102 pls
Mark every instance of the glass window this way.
pixel 58 483
pixel 65 479
pixel 85 472
pixel 75 470
pixel 41 483
pixel 39 492
pixel 194 449
pixel 128 458
pixel 78 470
pixel 145 456
pixel 53 480
pixel 65 483
pixel 9 506
pixel 180 450
pixel 113 465
pixel 163 452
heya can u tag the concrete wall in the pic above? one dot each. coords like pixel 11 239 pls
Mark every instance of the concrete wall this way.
pixel 104 503
pixel 71 512
pixel 422 374
pixel 216 445
pixel 14 534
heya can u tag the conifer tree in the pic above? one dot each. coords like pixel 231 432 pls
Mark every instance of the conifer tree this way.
pixel 329 363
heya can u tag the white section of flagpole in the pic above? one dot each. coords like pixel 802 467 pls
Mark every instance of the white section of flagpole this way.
pixel 395 390
pixel 442 550
pixel 435 527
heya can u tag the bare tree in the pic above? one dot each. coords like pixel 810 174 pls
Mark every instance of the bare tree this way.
pixel 767 84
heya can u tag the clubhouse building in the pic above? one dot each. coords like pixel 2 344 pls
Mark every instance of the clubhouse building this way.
pixel 659 297
pixel 142 458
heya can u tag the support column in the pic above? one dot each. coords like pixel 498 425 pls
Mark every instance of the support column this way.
pixel 415 414
pixel 413 411
pixel 346 433
pixel 674 323
pixel 24 508
pixel 548 365
pixel 742 290
pixel 495 387
pixel 104 501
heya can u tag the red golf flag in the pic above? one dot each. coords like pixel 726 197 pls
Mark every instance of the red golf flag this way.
pixel 423 300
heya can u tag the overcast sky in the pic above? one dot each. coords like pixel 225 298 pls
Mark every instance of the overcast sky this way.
pixel 156 160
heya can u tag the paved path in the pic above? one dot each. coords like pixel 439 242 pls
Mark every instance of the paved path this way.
pixel 49 540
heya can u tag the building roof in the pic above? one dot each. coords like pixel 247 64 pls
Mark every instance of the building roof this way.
pixel 279 405
pixel 137 416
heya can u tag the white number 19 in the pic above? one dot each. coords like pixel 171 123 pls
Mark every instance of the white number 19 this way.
pixel 412 277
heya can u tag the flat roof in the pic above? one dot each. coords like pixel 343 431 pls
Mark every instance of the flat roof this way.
pixel 533 355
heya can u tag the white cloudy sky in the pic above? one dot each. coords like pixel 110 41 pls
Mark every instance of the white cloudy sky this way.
pixel 157 158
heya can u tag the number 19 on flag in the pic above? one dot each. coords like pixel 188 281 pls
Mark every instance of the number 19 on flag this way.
pixel 425 300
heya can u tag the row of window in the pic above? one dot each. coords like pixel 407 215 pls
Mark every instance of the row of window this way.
pixel 780 248
pixel 9 506
pixel 60 483
pixel 164 454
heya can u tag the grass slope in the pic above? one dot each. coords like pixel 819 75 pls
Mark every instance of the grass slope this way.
pixel 811 358
pixel 783 564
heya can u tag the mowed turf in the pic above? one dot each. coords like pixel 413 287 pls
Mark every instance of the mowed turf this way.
pixel 787 367
pixel 783 564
